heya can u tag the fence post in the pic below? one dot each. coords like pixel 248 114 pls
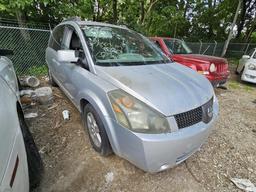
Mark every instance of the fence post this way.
pixel 214 49
pixel 246 48
pixel 231 30
pixel 200 46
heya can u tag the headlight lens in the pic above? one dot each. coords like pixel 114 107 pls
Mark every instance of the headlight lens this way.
pixel 135 115
pixel 252 67
pixel 212 68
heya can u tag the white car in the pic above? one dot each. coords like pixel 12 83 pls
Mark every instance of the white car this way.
pixel 247 67
pixel 20 162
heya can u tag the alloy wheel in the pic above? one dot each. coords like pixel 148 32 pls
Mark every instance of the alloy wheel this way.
pixel 93 129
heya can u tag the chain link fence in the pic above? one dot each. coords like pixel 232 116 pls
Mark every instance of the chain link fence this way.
pixel 235 50
pixel 28 43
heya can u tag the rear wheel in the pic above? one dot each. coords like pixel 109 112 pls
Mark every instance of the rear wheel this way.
pixel 35 164
pixel 236 72
pixel 96 131
pixel 240 74
pixel 51 80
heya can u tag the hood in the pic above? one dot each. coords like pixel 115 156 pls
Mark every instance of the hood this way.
pixel 197 58
pixel 168 88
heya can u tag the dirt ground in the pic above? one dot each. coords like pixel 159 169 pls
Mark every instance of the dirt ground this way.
pixel 72 165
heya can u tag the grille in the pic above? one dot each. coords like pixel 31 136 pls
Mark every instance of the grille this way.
pixel 221 68
pixel 194 116
pixel 189 118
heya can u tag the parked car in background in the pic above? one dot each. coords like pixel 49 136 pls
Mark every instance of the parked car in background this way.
pixel 247 67
pixel 20 162
pixel 134 101
pixel 214 68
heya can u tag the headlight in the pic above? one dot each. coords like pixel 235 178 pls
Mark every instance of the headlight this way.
pixel 213 68
pixel 135 115
pixel 252 67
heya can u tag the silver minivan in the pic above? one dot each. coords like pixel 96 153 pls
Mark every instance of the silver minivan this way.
pixel 134 101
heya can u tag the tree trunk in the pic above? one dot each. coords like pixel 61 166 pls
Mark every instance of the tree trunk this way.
pixel 250 31
pixel 93 10
pixel 231 30
pixel 210 34
pixel 151 4
pixel 214 3
pixel 142 11
pixel 242 20
pixel 22 24
pixel 185 9
pixel 98 11
pixel 114 7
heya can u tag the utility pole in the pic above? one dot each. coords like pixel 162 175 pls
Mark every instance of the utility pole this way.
pixel 231 30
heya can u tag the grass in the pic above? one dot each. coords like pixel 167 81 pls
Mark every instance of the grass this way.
pixel 233 61
pixel 238 85
pixel 38 70
pixel 234 84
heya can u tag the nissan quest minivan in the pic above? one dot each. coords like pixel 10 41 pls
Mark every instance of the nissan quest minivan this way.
pixel 133 100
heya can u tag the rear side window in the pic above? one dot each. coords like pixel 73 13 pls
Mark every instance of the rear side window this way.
pixel 56 38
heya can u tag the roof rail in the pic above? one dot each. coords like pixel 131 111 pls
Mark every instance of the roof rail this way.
pixel 76 18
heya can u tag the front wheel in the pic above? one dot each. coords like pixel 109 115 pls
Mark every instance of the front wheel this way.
pixel 96 131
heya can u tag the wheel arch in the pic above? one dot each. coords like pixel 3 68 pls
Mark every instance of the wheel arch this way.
pixel 91 98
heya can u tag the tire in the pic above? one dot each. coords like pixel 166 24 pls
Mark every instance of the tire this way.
pixel 103 147
pixel 240 75
pixel 35 164
pixel 51 80
pixel 236 72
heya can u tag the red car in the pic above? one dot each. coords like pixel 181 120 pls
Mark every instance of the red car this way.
pixel 214 68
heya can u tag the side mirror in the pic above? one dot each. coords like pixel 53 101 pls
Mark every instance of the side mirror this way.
pixel 66 56
pixel 245 57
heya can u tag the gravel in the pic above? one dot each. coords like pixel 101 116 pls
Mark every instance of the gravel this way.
pixel 72 165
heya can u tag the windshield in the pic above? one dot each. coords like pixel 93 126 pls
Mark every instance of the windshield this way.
pixel 177 46
pixel 111 46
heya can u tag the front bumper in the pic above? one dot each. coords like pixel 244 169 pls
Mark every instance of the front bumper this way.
pixel 217 83
pixel 249 76
pixel 218 79
pixel 157 152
